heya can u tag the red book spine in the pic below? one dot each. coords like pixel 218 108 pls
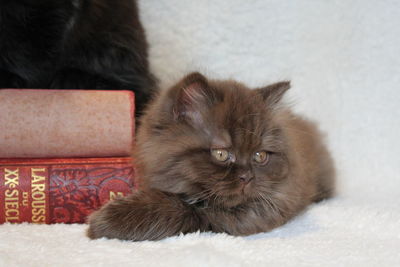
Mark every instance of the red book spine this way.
pixel 60 190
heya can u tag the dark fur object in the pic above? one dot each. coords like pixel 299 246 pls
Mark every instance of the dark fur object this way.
pixel 217 156
pixel 74 44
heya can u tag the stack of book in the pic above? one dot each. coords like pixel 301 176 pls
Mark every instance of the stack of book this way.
pixel 63 154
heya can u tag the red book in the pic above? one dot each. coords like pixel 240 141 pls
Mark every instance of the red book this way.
pixel 60 190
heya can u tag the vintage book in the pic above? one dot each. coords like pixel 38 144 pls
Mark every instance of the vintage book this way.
pixel 60 190
pixel 37 123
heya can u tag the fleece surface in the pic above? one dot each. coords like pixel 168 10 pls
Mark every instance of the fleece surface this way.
pixel 343 58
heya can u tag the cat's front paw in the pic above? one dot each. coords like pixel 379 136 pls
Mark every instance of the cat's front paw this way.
pixel 150 215
pixel 96 225
pixel 117 219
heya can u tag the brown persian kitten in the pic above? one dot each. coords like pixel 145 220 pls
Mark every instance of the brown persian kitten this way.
pixel 218 156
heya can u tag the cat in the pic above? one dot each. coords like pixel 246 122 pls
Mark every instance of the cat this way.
pixel 74 44
pixel 217 156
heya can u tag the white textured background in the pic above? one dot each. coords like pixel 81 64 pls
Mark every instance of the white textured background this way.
pixel 343 58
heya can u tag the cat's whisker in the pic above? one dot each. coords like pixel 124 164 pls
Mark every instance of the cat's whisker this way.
pixel 203 195
pixel 270 203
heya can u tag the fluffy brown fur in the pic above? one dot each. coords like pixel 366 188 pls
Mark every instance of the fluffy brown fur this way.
pixel 186 187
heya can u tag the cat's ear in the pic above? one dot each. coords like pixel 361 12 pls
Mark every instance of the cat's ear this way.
pixel 273 93
pixel 193 98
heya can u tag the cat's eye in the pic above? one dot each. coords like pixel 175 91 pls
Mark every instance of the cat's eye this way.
pixel 220 154
pixel 261 157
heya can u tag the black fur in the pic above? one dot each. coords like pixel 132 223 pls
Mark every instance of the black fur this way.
pixel 74 44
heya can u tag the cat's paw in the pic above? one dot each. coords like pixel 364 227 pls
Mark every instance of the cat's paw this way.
pixel 95 226
pixel 129 218
pixel 114 220
pixel 150 215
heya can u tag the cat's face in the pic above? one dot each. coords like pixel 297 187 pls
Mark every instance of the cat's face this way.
pixel 216 141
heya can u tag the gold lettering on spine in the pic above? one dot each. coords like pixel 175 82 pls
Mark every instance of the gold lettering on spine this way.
pixel 114 195
pixel 38 195
pixel 25 199
pixel 12 178
pixel 11 200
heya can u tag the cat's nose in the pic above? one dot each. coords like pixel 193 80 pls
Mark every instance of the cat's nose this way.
pixel 245 178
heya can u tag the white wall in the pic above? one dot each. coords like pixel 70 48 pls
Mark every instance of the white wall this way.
pixel 342 56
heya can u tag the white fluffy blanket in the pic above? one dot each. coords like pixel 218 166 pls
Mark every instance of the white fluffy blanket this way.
pixel 343 58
